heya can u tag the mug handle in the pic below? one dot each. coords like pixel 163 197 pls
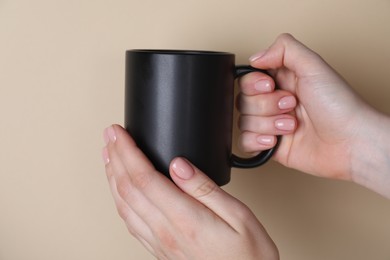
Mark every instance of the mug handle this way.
pixel 264 156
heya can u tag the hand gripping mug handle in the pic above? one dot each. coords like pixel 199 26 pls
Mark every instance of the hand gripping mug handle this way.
pixel 263 156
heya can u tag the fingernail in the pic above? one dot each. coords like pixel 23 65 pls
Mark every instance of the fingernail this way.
pixel 285 124
pixel 106 159
pixel 257 56
pixel 287 102
pixel 109 135
pixel 265 139
pixel 263 86
pixel 182 169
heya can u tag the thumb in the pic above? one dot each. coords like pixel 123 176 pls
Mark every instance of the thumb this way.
pixel 288 52
pixel 199 186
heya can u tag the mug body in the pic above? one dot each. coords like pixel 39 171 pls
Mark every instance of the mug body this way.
pixel 180 103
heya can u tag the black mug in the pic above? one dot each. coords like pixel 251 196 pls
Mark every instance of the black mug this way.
pixel 180 103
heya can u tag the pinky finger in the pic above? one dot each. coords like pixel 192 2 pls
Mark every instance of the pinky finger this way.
pixel 250 142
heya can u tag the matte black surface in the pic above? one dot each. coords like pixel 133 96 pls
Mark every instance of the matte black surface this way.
pixel 180 103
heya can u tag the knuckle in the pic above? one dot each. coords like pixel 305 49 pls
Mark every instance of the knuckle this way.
pixel 166 239
pixel 245 82
pixel 123 186
pixel 186 225
pixel 261 105
pixel 258 125
pixel 285 37
pixel 244 123
pixel 141 179
pixel 123 211
pixel 243 212
pixel 131 230
pixel 205 189
pixel 109 171
pixel 243 103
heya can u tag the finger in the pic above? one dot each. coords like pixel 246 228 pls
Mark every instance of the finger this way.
pixel 256 83
pixel 199 186
pixel 275 103
pixel 171 214
pixel 126 146
pixel 275 125
pixel 135 225
pixel 129 188
pixel 151 195
pixel 285 52
pixel 145 218
pixel 250 142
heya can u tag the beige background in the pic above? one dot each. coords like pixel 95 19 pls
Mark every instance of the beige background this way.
pixel 61 83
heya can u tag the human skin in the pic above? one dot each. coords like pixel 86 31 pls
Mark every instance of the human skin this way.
pixel 328 131
pixel 339 135
pixel 194 219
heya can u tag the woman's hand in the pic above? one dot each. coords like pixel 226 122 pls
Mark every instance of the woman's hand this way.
pixel 320 105
pixel 193 220
pixel 337 134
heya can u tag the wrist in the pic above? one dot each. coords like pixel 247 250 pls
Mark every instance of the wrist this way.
pixel 370 153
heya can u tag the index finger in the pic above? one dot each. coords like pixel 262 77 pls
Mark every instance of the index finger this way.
pixel 255 83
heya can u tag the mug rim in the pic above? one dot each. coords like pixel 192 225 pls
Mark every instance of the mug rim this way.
pixel 178 52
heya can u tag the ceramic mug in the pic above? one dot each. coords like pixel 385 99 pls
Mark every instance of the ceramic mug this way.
pixel 180 103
